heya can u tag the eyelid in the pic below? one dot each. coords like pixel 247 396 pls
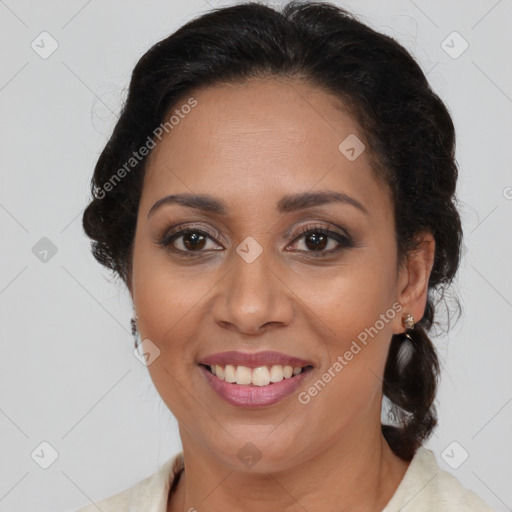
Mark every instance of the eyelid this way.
pixel 317 224
pixel 216 234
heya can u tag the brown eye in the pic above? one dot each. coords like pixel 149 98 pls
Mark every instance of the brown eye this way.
pixel 191 240
pixel 317 239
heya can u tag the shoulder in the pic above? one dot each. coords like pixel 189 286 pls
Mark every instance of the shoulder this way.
pixel 149 494
pixel 426 487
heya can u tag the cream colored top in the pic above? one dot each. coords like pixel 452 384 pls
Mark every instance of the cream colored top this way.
pixel 425 487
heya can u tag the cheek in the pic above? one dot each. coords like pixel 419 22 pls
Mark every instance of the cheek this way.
pixel 164 294
pixel 355 318
pixel 165 302
pixel 350 298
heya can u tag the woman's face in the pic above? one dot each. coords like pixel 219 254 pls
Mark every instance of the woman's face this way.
pixel 245 278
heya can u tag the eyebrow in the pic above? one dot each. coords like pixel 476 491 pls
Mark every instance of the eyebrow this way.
pixel 287 204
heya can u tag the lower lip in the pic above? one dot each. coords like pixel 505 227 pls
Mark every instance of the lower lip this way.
pixel 254 396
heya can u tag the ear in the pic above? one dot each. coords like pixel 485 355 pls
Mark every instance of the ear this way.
pixel 413 277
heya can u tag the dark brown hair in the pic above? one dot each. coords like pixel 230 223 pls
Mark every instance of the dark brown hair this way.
pixel 406 126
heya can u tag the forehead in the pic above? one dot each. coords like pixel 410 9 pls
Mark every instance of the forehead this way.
pixel 257 138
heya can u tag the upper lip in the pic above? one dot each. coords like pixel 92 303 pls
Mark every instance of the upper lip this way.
pixel 254 359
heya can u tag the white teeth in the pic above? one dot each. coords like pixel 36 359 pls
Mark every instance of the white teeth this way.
pixel 243 375
pixel 219 371
pixel 260 376
pixel 230 373
pixel 276 373
pixel 287 372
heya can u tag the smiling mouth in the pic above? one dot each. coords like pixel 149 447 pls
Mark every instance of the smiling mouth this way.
pixel 259 376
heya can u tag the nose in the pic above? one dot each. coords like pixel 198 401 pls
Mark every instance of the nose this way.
pixel 253 298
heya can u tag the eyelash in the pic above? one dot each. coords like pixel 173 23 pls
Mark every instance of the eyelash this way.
pixel 343 240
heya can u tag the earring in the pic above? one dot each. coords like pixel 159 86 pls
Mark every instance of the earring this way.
pixel 133 323
pixel 408 323
pixel 407 347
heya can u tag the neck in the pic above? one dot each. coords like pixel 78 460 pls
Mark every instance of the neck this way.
pixel 357 472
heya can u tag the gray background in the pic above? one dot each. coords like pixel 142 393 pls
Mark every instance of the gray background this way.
pixel 68 374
